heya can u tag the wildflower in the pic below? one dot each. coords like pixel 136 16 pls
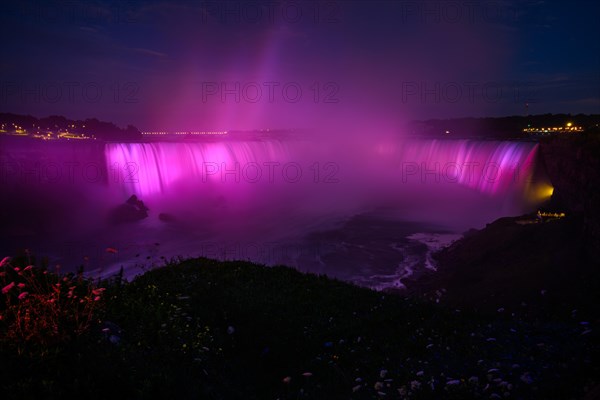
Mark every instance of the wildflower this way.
pixel 96 298
pixel 307 374
pixel 527 378
pixel 111 250
pixel 4 261
pixel 21 285
pixel 23 295
pixel 287 379
pixel 98 292
pixel 17 269
pixel 27 268
pixel 7 288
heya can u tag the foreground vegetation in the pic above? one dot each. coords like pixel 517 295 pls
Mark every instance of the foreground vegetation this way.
pixel 234 330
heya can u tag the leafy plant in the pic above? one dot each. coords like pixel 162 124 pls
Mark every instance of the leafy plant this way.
pixel 41 309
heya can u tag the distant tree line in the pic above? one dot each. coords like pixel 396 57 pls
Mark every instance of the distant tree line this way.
pixel 91 126
pixel 499 127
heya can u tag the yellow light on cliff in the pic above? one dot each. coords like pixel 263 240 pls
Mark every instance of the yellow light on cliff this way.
pixel 545 191
pixel 541 192
pixel 569 124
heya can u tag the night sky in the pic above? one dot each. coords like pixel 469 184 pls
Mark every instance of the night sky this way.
pixel 185 65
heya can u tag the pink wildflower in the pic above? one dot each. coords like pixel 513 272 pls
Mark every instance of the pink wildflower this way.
pixel 4 261
pixel 23 295
pixel 21 285
pixel 7 288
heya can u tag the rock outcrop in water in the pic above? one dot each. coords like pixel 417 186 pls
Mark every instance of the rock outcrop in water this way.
pixel 133 210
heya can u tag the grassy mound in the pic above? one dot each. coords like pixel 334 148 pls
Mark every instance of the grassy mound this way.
pixel 234 330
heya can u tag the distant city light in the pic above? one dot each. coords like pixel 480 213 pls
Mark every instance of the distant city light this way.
pixel 568 128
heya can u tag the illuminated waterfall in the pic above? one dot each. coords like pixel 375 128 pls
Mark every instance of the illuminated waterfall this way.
pixel 151 168
pixel 489 167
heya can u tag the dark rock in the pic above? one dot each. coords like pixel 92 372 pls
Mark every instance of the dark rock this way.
pixel 165 217
pixel 131 211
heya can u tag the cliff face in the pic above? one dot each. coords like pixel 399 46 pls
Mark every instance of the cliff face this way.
pixel 552 264
pixel 573 165
pixel 506 264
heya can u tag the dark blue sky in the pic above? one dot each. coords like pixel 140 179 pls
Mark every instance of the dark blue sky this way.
pixel 260 64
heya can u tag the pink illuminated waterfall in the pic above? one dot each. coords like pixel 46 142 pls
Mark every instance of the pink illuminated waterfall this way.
pixel 489 167
pixel 151 168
